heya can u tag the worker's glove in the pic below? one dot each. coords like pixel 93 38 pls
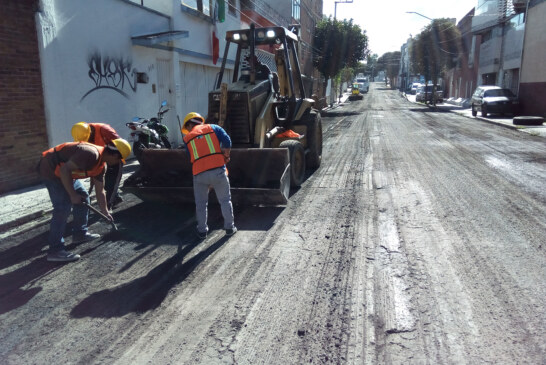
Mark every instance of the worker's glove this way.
pixel 226 158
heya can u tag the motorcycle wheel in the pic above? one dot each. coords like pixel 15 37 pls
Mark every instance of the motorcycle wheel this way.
pixel 166 142
pixel 137 149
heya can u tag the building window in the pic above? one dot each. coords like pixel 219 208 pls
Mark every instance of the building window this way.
pixel 232 7
pixel 203 6
pixel 471 53
pixel 296 9
pixel 487 36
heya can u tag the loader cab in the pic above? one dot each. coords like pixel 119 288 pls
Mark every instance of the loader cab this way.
pixel 265 89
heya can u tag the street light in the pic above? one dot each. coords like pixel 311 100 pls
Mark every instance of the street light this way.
pixel 414 12
pixel 341 2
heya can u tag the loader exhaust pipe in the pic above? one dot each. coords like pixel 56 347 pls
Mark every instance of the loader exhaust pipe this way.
pixel 252 41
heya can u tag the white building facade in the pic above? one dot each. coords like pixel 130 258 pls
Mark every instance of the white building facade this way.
pixel 110 60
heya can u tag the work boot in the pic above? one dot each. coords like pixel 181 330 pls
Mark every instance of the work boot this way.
pixel 231 232
pixel 200 235
pixel 85 238
pixel 62 256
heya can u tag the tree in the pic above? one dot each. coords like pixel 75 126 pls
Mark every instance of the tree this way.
pixel 338 45
pixel 435 50
pixel 390 63
pixel 371 65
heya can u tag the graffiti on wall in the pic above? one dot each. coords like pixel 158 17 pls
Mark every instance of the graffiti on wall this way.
pixel 111 73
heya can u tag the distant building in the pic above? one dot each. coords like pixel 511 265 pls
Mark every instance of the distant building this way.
pixel 500 27
pixel 461 80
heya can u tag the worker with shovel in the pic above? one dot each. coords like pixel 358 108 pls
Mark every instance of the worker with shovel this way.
pixel 101 134
pixel 61 169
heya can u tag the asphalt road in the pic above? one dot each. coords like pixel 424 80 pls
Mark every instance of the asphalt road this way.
pixel 420 239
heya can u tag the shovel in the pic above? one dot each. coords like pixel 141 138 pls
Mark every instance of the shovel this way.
pixel 114 227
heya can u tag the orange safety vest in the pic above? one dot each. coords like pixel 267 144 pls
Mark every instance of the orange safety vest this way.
pixel 78 174
pixel 204 147
pixel 99 138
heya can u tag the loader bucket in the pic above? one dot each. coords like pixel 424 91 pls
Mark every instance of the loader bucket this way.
pixel 257 176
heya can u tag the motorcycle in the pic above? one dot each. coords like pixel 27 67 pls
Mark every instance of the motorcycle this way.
pixel 149 133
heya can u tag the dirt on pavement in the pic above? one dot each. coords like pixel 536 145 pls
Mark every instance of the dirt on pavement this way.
pixel 418 240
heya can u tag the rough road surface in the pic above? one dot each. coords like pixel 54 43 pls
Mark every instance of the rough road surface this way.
pixel 419 240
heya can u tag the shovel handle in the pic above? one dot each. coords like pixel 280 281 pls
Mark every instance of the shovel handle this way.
pixel 102 215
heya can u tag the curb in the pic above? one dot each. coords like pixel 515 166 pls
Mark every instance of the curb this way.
pixel 24 219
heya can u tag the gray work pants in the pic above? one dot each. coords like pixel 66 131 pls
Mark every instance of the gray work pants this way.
pixel 218 180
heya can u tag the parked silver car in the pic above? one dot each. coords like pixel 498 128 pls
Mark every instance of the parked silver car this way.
pixel 426 92
pixel 494 99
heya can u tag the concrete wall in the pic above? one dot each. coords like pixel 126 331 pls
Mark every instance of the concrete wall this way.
pixel 533 71
pixel 22 120
pixel 490 54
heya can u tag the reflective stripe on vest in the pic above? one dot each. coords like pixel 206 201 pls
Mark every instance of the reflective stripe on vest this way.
pixel 78 174
pixel 204 148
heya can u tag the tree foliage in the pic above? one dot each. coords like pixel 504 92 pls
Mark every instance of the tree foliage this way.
pixel 338 45
pixel 435 49
pixel 371 65
pixel 390 63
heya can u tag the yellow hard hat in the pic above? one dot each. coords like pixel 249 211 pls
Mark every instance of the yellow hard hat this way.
pixel 81 132
pixel 123 147
pixel 194 118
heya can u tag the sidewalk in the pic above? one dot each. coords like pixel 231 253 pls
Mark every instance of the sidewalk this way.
pixel 32 204
pixel 339 102
pixel 505 121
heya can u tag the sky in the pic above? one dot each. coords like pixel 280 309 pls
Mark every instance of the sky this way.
pixel 386 22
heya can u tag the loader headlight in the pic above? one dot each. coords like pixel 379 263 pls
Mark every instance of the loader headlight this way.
pixel 270 34
pixel 216 97
pixel 236 36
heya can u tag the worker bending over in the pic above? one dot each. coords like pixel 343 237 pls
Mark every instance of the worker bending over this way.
pixel 61 169
pixel 209 147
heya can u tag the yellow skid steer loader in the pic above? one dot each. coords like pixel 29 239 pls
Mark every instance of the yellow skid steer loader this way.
pixel 275 132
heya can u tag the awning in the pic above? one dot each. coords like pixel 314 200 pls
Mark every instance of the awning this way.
pixel 155 38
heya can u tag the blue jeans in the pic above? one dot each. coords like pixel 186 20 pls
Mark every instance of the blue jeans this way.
pixel 218 180
pixel 61 211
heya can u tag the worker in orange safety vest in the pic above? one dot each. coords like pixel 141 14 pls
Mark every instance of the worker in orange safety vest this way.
pixel 61 169
pixel 209 147
pixel 101 134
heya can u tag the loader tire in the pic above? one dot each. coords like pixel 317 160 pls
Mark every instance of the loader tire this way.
pixel 314 141
pixel 296 156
